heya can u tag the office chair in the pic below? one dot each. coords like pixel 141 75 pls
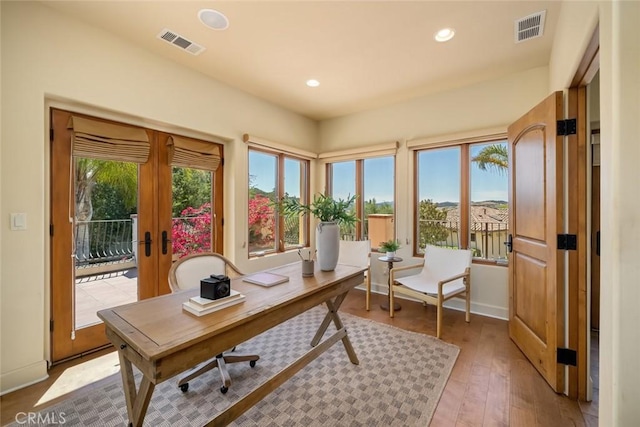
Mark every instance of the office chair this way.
pixel 186 273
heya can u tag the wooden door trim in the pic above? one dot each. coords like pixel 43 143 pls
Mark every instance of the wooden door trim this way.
pixel 590 62
pixel 578 287
pixel 577 224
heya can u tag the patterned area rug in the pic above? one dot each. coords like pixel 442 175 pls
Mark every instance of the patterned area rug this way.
pixel 398 382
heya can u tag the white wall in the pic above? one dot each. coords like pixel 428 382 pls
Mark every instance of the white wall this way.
pixel 490 104
pixel 620 213
pixel 620 205
pixel 480 106
pixel 47 57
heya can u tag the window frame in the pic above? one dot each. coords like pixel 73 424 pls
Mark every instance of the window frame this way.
pixel 305 184
pixel 464 231
pixel 359 188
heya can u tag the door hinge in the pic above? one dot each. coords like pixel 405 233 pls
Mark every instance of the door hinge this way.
pixel 566 356
pixel 567 242
pixel 566 127
pixel 51 230
pixel 51 134
pixel 222 221
pixel 51 325
pixel 222 162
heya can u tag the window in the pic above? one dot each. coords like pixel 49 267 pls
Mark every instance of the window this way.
pixel 273 176
pixel 462 193
pixel 372 180
pixel 489 186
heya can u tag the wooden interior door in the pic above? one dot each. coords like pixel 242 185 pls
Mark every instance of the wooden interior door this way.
pixel 536 266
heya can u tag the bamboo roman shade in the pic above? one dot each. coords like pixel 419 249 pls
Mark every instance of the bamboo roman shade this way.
pixel 380 150
pixel 277 148
pixel 106 141
pixel 191 153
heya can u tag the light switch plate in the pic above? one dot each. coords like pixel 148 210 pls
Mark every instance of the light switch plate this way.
pixel 18 221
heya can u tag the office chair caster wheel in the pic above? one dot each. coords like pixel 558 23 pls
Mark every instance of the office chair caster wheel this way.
pixel 184 387
pixel 224 389
pixel 252 363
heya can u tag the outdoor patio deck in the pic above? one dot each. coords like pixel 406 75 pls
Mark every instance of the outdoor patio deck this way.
pixel 101 291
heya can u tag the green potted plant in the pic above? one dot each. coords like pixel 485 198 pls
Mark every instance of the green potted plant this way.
pixel 332 213
pixel 390 247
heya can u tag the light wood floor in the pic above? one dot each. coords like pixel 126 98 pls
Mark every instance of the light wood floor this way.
pixel 492 384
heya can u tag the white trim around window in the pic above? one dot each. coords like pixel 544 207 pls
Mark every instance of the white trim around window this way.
pixel 469 137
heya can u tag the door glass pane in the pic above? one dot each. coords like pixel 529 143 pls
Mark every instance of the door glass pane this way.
pixel 106 201
pixel 294 187
pixel 438 197
pixel 379 200
pixel 191 230
pixel 262 195
pixel 343 186
pixel 489 195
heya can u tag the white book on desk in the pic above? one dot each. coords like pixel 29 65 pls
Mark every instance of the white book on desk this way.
pixel 265 278
pixel 206 302
pixel 200 310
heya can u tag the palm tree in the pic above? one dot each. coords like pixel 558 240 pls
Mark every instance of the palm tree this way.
pixel 88 172
pixel 493 156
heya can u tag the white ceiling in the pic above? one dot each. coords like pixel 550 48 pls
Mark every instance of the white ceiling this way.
pixel 365 54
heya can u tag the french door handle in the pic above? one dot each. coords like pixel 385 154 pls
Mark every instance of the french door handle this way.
pixel 165 243
pixel 509 243
pixel 147 243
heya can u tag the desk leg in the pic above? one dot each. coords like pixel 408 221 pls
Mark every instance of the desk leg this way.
pixel 333 307
pixel 137 401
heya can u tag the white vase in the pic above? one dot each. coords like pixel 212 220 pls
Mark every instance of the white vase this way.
pixel 391 254
pixel 328 245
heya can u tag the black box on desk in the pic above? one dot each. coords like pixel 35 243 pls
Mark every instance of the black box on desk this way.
pixel 215 287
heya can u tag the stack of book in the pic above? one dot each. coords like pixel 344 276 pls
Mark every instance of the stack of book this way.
pixel 201 306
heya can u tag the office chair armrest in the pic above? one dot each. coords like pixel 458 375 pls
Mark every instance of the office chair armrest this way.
pixel 393 271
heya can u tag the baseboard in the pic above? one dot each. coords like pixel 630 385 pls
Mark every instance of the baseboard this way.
pixel 23 377
pixel 479 308
pixel 454 303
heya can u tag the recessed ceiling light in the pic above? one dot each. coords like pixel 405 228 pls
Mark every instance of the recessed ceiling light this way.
pixel 213 19
pixel 313 83
pixel 444 35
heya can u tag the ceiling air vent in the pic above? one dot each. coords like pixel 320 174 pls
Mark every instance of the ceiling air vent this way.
pixel 530 27
pixel 181 42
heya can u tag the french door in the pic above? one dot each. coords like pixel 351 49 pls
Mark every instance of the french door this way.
pixel 117 224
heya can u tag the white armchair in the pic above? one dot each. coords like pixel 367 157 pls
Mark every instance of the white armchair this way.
pixel 444 274
pixel 358 252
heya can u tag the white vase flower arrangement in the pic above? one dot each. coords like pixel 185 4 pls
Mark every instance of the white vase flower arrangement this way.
pixel 331 213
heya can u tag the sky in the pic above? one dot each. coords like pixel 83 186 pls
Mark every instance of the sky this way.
pixel 439 177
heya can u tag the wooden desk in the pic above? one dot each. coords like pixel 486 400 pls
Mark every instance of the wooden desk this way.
pixel 162 340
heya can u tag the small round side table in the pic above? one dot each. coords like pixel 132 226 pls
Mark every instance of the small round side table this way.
pixel 386 304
